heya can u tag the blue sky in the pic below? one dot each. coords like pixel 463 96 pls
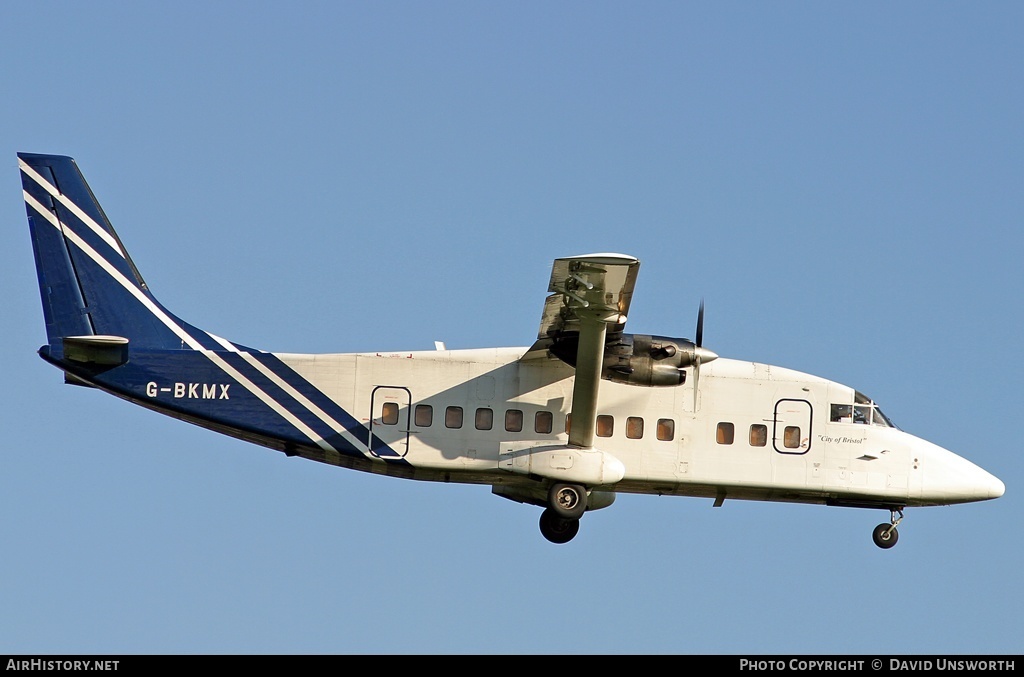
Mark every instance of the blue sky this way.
pixel 840 182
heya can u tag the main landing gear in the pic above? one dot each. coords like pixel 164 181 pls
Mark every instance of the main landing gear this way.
pixel 560 521
pixel 558 529
pixel 885 535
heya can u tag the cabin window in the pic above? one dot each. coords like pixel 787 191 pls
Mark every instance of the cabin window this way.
pixel 453 417
pixel 791 437
pixel 605 425
pixel 568 423
pixel 758 435
pixel 634 427
pixel 513 420
pixel 389 413
pixel 666 429
pixel 542 422
pixel 484 419
pixel 726 433
pixel 424 415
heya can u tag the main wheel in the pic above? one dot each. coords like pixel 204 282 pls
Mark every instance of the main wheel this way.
pixel 556 528
pixel 568 500
pixel 885 536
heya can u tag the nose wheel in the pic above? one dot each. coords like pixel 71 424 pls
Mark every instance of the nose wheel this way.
pixel 885 535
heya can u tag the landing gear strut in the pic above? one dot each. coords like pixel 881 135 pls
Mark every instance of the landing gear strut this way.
pixel 885 535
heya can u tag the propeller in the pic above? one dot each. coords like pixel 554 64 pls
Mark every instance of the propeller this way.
pixel 699 353
pixel 700 324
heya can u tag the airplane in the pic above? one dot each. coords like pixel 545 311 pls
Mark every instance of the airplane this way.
pixel 586 412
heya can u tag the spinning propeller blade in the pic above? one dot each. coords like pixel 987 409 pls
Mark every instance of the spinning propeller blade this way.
pixel 700 325
pixel 699 353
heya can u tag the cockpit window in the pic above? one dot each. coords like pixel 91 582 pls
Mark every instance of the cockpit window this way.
pixel 881 419
pixel 842 413
pixel 862 411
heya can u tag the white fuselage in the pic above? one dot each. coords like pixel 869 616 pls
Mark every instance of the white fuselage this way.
pixel 759 432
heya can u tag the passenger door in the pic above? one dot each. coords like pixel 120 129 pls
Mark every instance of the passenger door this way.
pixel 389 421
pixel 792 429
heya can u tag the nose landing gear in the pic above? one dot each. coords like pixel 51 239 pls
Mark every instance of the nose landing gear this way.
pixel 885 535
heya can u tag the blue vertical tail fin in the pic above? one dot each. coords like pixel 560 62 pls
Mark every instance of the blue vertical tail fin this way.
pixel 105 329
pixel 88 284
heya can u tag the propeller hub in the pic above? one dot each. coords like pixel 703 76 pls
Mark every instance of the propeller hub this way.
pixel 704 355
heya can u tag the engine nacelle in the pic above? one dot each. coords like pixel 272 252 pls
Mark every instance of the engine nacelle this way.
pixel 638 359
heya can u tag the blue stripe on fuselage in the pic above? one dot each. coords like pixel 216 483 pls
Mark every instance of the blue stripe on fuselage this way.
pixel 316 396
pixel 188 382
pixel 297 408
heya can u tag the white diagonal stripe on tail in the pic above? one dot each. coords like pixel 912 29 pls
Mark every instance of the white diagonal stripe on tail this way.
pixel 72 207
pixel 335 425
pixel 173 326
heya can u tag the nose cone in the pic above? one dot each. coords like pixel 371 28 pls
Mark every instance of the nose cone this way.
pixel 996 488
pixel 981 485
pixel 949 478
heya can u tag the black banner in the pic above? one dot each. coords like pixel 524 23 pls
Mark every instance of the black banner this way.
pixel 753 665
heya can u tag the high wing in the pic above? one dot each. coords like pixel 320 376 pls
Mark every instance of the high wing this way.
pixel 591 294
pixel 594 283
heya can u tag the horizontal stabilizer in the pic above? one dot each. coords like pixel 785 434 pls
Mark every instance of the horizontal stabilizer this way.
pixel 109 351
pixel 72 380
